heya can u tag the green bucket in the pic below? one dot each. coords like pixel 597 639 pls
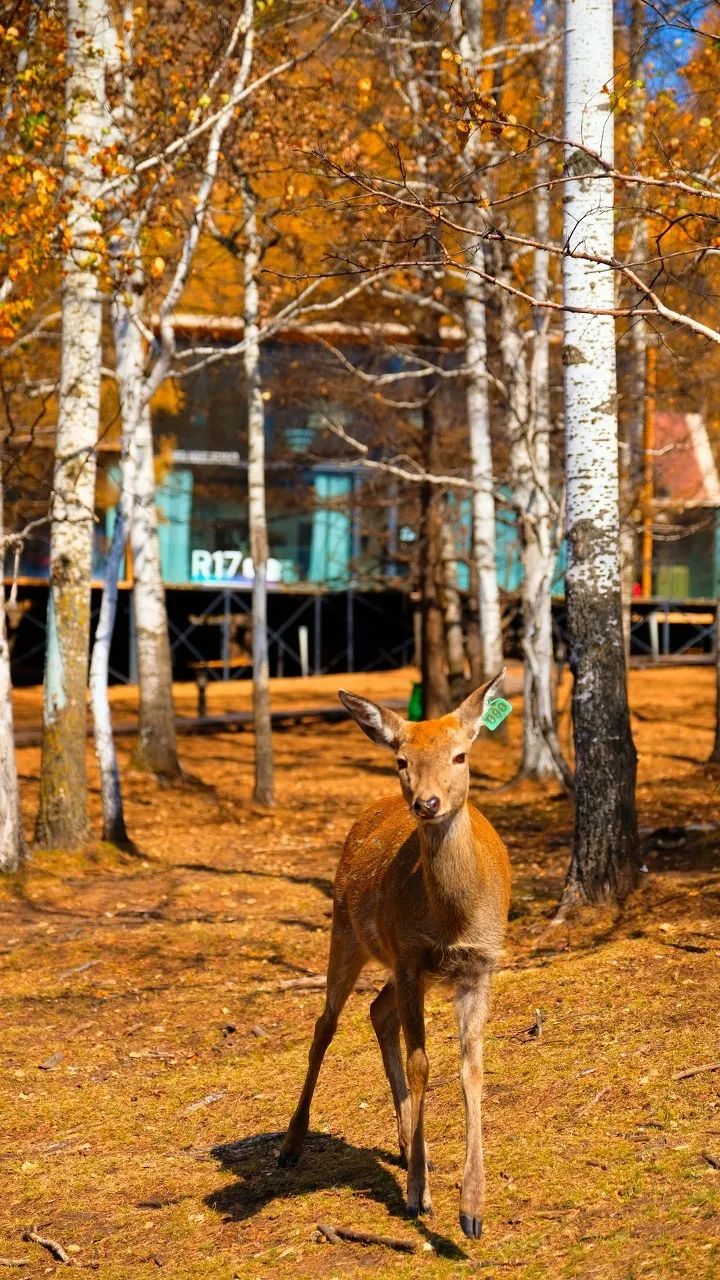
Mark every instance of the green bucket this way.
pixel 415 705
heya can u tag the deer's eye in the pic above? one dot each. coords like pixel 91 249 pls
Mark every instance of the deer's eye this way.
pixel 460 758
pixel 401 764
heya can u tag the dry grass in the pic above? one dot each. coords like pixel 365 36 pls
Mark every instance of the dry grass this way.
pixel 153 975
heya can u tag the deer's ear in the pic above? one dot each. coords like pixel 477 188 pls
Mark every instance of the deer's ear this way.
pixel 379 723
pixel 471 711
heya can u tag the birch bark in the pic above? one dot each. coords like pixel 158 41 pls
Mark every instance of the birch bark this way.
pixel 436 692
pixel 528 431
pixel 12 839
pixel 114 828
pixel 482 474
pixel 541 752
pixel 264 792
pixel 62 819
pixel 156 747
pixel 467 20
pixel 157 743
pixel 604 862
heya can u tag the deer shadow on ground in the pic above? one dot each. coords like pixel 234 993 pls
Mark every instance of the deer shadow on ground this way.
pixel 327 1161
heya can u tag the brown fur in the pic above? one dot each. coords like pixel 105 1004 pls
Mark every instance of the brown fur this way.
pixel 423 886
pixel 412 893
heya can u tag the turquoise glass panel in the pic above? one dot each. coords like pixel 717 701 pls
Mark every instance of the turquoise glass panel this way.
pixel 174 506
pixel 110 517
pixel 507 546
pixel 330 546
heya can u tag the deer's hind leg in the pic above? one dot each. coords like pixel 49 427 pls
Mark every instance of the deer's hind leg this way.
pixel 346 960
pixel 386 1023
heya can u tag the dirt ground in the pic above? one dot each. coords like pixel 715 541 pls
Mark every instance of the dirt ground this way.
pixel 151 1053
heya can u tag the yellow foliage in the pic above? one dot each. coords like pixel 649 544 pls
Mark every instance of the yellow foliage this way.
pixel 169 397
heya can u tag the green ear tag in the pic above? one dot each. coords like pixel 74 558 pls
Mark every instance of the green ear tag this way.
pixel 498 710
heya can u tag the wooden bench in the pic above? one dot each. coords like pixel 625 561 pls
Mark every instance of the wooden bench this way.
pixel 241 662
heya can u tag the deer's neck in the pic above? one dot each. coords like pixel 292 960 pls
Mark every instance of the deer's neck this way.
pixel 451 871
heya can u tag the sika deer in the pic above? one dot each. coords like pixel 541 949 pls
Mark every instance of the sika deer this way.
pixel 422 886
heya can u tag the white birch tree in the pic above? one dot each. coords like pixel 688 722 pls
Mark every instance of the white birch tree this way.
pixel 524 389
pixel 604 863
pixel 467 23
pixel 540 760
pixel 156 747
pixel 157 742
pixel 12 840
pixel 139 378
pixel 528 438
pixel 482 474
pixel 264 792
pixel 527 383
pixel 62 819
pixel 114 829
pixel 139 375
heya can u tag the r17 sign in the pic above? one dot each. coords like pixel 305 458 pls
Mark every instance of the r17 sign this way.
pixel 214 566
pixel 219 564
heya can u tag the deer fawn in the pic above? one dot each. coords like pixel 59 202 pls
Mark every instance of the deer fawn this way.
pixel 422 886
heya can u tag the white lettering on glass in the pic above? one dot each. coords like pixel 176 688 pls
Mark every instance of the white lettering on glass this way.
pixel 201 564
pixel 219 564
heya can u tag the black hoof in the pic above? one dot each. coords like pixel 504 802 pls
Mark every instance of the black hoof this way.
pixel 287 1159
pixel 415 1212
pixel 471 1226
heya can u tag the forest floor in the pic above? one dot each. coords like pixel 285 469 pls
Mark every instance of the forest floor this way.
pixel 151 1050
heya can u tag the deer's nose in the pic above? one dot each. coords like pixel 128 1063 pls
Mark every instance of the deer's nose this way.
pixel 427 808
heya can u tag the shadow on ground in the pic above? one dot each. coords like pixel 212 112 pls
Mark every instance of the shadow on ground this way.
pixel 695 847
pixel 326 1162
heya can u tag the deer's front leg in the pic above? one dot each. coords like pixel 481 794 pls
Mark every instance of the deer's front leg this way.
pixel 471 1005
pixel 410 1001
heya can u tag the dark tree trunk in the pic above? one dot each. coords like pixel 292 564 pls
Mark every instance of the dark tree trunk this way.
pixel 473 638
pixel 454 638
pixel 436 695
pixel 605 862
